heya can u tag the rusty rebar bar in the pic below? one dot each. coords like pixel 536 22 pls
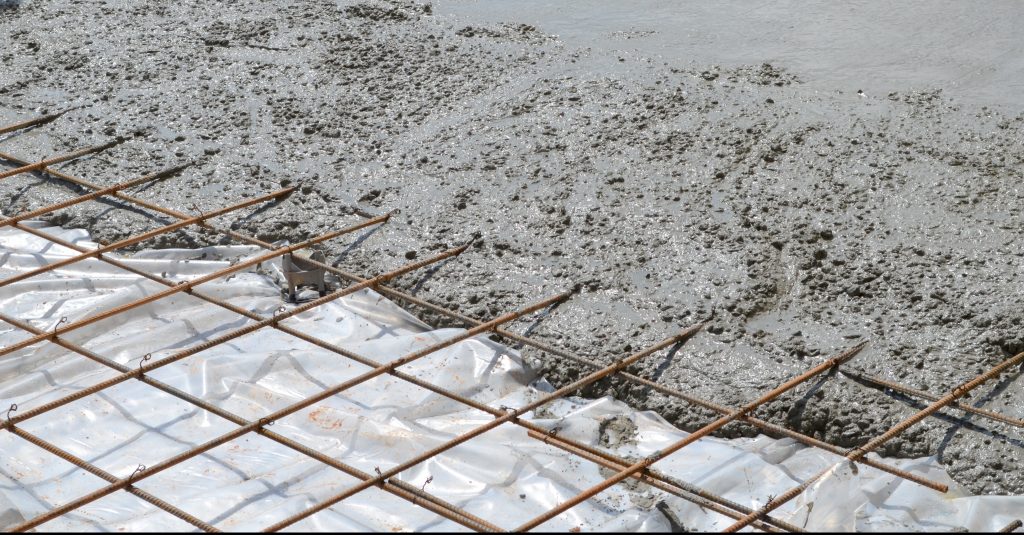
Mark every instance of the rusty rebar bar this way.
pixel 511 414
pixel 1012 526
pixel 139 238
pixel 185 286
pixel 404 491
pixel 110 478
pixel 31 122
pixel 903 389
pixel 690 439
pixel 861 451
pixel 159 175
pixel 657 480
pixel 59 159
pixel 281 413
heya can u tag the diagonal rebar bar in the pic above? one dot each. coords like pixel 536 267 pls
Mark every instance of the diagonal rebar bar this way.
pixel 110 478
pixel 903 389
pixel 60 159
pixel 31 122
pixel 159 175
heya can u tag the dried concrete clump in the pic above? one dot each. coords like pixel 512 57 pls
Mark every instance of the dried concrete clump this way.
pixel 795 222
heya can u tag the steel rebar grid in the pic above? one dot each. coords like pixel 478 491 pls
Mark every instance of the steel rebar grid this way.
pixel 695 436
pixel 31 122
pixel 404 490
pixel 526 340
pixel 132 240
pixel 110 478
pixel 511 414
pixel 658 481
pixel 159 175
pixel 1011 527
pixel 474 522
pixel 59 159
pixel 903 389
pixel 688 492
pixel 188 285
pixel 281 413
pixel 404 296
pixel 874 443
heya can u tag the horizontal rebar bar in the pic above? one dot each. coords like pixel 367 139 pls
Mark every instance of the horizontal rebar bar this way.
pixel 31 122
pixel 139 238
pixel 903 389
pixel 184 286
pixel 511 414
pixel 861 451
pixel 59 159
pixel 281 413
pixel 693 437
pixel 404 491
pixel 159 175
pixel 110 478
pixel 655 480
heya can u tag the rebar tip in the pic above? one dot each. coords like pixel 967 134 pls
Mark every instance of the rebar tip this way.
pixel 283 194
pixel 687 332
pixel 172 171
pixel 845 356
pixel 460 249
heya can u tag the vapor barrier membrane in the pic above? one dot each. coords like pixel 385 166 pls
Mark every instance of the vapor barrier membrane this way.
pixel 251 482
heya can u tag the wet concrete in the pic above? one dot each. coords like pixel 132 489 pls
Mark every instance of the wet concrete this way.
pixel 800 177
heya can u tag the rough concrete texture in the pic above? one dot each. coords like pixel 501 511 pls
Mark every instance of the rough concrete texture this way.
pixel 794 216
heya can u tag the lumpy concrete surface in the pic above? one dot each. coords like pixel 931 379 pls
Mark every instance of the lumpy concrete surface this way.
pixel 801 177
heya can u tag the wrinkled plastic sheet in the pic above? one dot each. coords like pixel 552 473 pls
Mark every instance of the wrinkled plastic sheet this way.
pixel 251 482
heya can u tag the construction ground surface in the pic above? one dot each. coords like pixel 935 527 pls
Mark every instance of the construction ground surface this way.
pixel 727 166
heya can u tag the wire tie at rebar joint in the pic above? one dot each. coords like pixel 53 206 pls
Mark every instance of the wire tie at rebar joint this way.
pixel 423 488
pixel 63 320
pixel 14 408
pixel 143 361
pixel 280 310
pixel 138 470
pixel 264 422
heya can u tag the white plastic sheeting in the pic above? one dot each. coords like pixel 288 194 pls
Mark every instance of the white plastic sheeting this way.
pixel 249 483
